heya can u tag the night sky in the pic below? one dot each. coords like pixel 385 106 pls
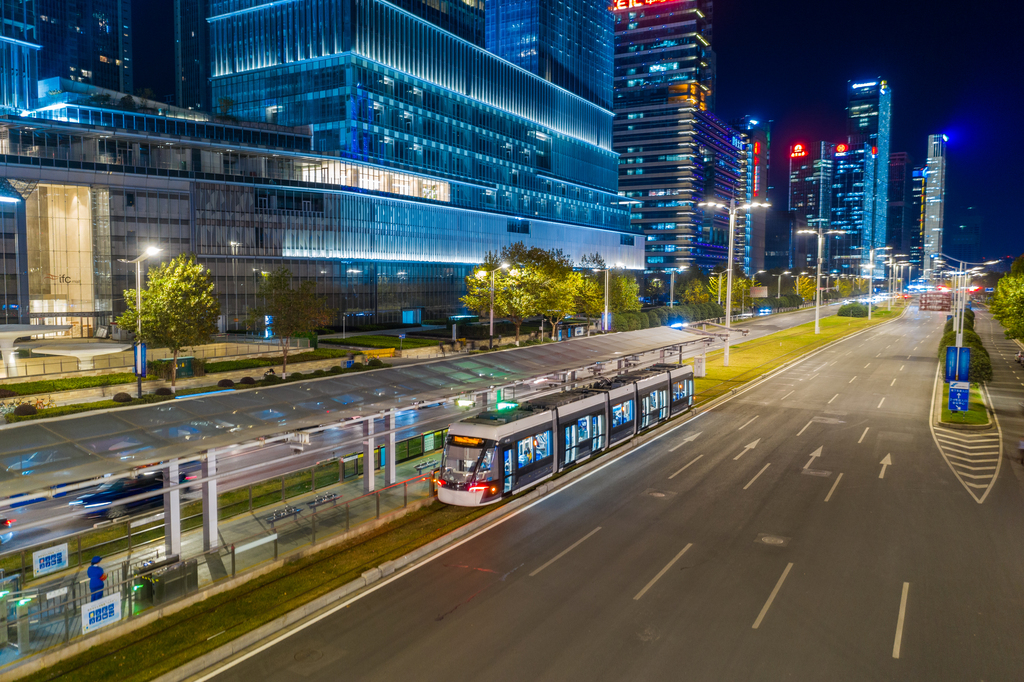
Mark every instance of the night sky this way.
pixel 956 69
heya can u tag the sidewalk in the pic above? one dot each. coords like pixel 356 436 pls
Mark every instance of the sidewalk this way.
pixel 1007 386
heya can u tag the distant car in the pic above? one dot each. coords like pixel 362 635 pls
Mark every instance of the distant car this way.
pixel 5 534
pixel 103 504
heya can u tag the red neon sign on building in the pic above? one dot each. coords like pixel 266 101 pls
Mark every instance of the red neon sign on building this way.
pixel 798 151
pixel 841 148
pixel 626 4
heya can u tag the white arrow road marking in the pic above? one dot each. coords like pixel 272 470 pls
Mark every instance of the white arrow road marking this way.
pixel 750 446
pixel 887 462
pixel 688 439
pixel 816 453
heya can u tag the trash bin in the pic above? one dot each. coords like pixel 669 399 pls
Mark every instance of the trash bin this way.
pixel 174 581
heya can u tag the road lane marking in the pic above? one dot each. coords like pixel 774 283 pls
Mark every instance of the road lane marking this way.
pixel 748 422
pixel 688 439
pixel 880 403
pixel 833 398
pixel 662 572
pixel 901 367
pixel 893 381
pixel 788 394
pixel 685 467
pixel 771 597
pixel 758 474
pixel 877 355
pixel 887 462
pixel 748 448
pixel 869 364
pixel 805 428
pixel 812 377
pixel 852 380
pixel 899 622
pixel 861 440
pixel 829 496
pixel 566 551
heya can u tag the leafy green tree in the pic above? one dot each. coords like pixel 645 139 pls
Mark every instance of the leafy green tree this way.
pixel 292 312
pixel 1008 304
pixel 589 299
pixel 805 287
pixel 625 294
pixel 696 292
pixel 179 309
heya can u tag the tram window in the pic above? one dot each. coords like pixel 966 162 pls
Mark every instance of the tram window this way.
pixel 570 443
pixel 622 413
pixel 533 449
pixel 680 391
pixel 581 428
pixel 485 461
pixel 597 429
pixel 508 463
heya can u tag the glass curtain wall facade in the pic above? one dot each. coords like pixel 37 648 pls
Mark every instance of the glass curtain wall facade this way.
pixel 917 219
pixel 869 119
pixel 810 197
pixel 392 89
pixel 19 55
pixel 757 138
pixel 852 208
pixel 565 42
pixel 192 55
pixel 934 203
pixel 898 222
pixel 89 41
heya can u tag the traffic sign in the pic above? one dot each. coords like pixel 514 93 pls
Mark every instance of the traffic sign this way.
pixel 401 336
pixel 959 396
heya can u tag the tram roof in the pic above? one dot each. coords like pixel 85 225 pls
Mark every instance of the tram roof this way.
pixel 39 454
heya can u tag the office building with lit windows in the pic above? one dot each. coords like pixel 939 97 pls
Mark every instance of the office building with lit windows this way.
pixel 899 221
pixel 810 200
pixel 674 153
pixel 917 206
pixel 757 137
pixel 19 50
pixel 87 41
pixel 934 205
pixel 192 55
pixel 381 158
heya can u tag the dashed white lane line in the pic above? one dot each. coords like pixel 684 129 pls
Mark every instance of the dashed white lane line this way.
pixel 833 398
pixel 893 381
pixel 898 641
pixel 833 489
pixel 748 422
pixel 861 440
pixel 901 367
pixel 880 403
pixel 566 551
pixel 801 432
pixel 685 467
pixel 852 380
pixel 662 572
pixel 869 364
pixel 788 394
pixel 771 597
pixel 758 474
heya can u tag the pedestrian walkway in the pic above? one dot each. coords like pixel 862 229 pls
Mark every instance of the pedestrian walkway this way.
pixel 1007 386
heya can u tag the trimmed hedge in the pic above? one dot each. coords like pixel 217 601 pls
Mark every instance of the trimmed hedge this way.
pixel 853 310
pixel 981 363
pixel 56 385
pixel 122 398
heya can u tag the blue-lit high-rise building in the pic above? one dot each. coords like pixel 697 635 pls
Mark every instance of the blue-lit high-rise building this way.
pixel 87 41
pixel 565 42
pixel 19 53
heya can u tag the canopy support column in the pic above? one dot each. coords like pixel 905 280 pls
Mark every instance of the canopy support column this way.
pixel 172 511
pixel 211 536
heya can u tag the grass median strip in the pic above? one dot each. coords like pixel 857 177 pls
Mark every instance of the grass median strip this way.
pixel 159 647
pixel 976 413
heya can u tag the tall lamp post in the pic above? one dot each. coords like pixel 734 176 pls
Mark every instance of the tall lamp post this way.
pixel 779 295
pixel 481 274
pixel 607 322
pixel 817 279
pixel 137 262
pixel 732 209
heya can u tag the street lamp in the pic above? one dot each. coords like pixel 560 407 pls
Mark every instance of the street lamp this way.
pixel 481 274
pixel 817 279
pixel 787 272
pixel 607 325
pixel 137 262
pixel 731 208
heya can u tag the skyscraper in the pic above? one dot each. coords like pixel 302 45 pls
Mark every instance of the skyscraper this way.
pixel 810 198
pixel 934 202
pixel 757 136
pixel 916 220
pixel 673 152
pixel 565 42
pixel 962 241
pixel 19 51
pixel 192 55
pixel 899 222
pixel 89 41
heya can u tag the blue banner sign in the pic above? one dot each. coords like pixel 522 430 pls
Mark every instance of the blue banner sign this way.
pixel 958 364
pixel 50 560
pixel 140 359
pixel 959 396
pixel 100 613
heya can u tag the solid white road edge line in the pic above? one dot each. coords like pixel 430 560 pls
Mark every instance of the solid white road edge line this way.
pixel 898 642
pixel 771 597
pixel 566 551
pixel 662 572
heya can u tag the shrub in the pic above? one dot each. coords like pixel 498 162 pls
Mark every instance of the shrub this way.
pixel 357 365
pixel 375 362
pixel 337 369
pixel 24 410
pixel 295 376
pixel 853 310
pixel 271 380
pixel 164 391
pixel 6 393
pixel 320 373
pixel 644 321
pixel 122 398
pixel 248 381
pixel 225 383
pixel 653 319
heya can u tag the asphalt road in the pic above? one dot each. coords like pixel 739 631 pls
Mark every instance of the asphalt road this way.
pixel 739 555
pixel 413 421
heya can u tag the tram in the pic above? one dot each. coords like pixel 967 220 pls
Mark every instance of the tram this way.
pixel 498 453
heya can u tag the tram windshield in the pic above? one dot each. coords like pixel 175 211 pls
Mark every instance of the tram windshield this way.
pixel 466 459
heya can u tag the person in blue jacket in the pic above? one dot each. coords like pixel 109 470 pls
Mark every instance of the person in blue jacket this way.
pixel 96 579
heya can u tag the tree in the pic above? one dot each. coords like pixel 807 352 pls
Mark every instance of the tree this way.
pixel 716 287
pixel 478 289
pixel 127 103
pixel 845 287
pixel 625 294
pixel 179 309
pixel 696 292
pixel 1017 269
pixel 144 93
pixel 589 299
pixel 805 287
pixel 1008 304
pixel 291 312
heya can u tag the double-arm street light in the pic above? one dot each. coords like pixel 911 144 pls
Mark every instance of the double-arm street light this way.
pixel 137 262
pixel 870 265
pixel 481 274
pixel 817 280
pixel 732 209
pixel 787 272
pixel 960 298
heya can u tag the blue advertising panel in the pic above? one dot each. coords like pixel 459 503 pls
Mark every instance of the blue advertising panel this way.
pixel 950 363
pixel 959 396
pixel 50 560
pixel 100 613
pixel 140 359
pixel 958 364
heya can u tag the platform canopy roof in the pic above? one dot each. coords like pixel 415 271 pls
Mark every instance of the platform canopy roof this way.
pixel 35 455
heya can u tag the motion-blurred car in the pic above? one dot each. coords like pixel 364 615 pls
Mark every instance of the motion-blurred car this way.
pixel 106 503
pixel 5 533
